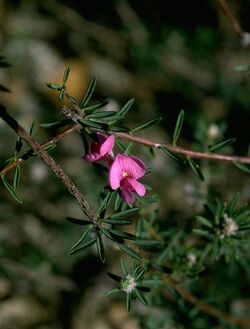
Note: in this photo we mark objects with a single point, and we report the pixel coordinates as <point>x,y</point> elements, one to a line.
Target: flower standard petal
<point>131,165</point>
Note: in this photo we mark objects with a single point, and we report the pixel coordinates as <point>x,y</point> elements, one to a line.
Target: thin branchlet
<point>50,162</point>
<point>136,139</point>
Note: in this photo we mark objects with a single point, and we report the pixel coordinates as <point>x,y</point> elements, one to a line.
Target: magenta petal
<point>127,195</point>
<point>108,145</point>
<point>138,187</point>
<point>92,157</point>
<point>115,174</point>
<point>133,166</point>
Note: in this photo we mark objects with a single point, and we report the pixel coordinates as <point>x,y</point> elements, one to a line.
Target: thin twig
<point>231,18</point>
<point>184,151</point>
<point>57,170</point>
<point>135,139</point>
<point>211,310</point>
<point>29,154</point>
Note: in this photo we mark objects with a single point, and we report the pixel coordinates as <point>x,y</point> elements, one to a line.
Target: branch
<point>29,154</point>
<point>57,170</point>
<point>245,36</point>
<point>231,18</point>
<point>135,139</point>
<point>211,310</point>
<point>186,152</point>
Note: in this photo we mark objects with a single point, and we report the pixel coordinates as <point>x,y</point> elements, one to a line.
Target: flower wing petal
<point>138,187</point>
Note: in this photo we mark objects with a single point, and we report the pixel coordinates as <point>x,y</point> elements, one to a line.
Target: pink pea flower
<point>100,149</point>
<point>124,174</point>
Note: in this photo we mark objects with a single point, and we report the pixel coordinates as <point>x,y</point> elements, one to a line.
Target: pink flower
<point>100,149</point>
<point>124,173</point>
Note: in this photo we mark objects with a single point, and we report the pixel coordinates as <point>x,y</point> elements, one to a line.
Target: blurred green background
<point>168,56</point>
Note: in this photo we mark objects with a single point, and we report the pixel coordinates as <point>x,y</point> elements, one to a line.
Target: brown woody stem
<point>231,18</point>
<point>188,296</point>
<point>50,162</point>
<point>135,139</point>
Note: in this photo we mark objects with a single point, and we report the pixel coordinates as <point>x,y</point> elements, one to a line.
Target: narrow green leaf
<point>110,120</point>
<point>101,114</point>
<point>140,297</point>
<point>178,127</point>
<point>146,125</point>
<point>128,148</point>
<point>82,238</point>
<point>32,128</point>
<point>61,95</point>
<point>78,221</point>
<point>153,282</point>
<point>121,146</point>
<point>11,190</point>
<point>139,272</point>
<point>124,110</point>
<point>112,292</point>
<point>49,124</point>
<point>85,245</point>
<point>143,289</point>
<point>90,109</point>
<point>121,234</point>
<point>233,203</point>
<point>16,178</point>
<point>105,202</point>
<point>66,74</point>
<point>136,269</point>
<point>72,99</point>
<point>54,86</point>
<point>172,155</point>
<point>128,302</point>
<point>125,213</point>
<point>116,221</point>
<point>112,237</point>
<point>124,266</point>
<point>119,129</point>
<point>91,124</point>
<point>242,166</point>
<point>49,147</point>
<point>100,248</point>
<point>18,147</point>
<point>114,277</point>
<point>201,232</point>
<point>118,202</point>
<point>89,93</point>
<point>221,144</point>
<point>195,167</point>
<point>130,252</point>
<point>204,221</point>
